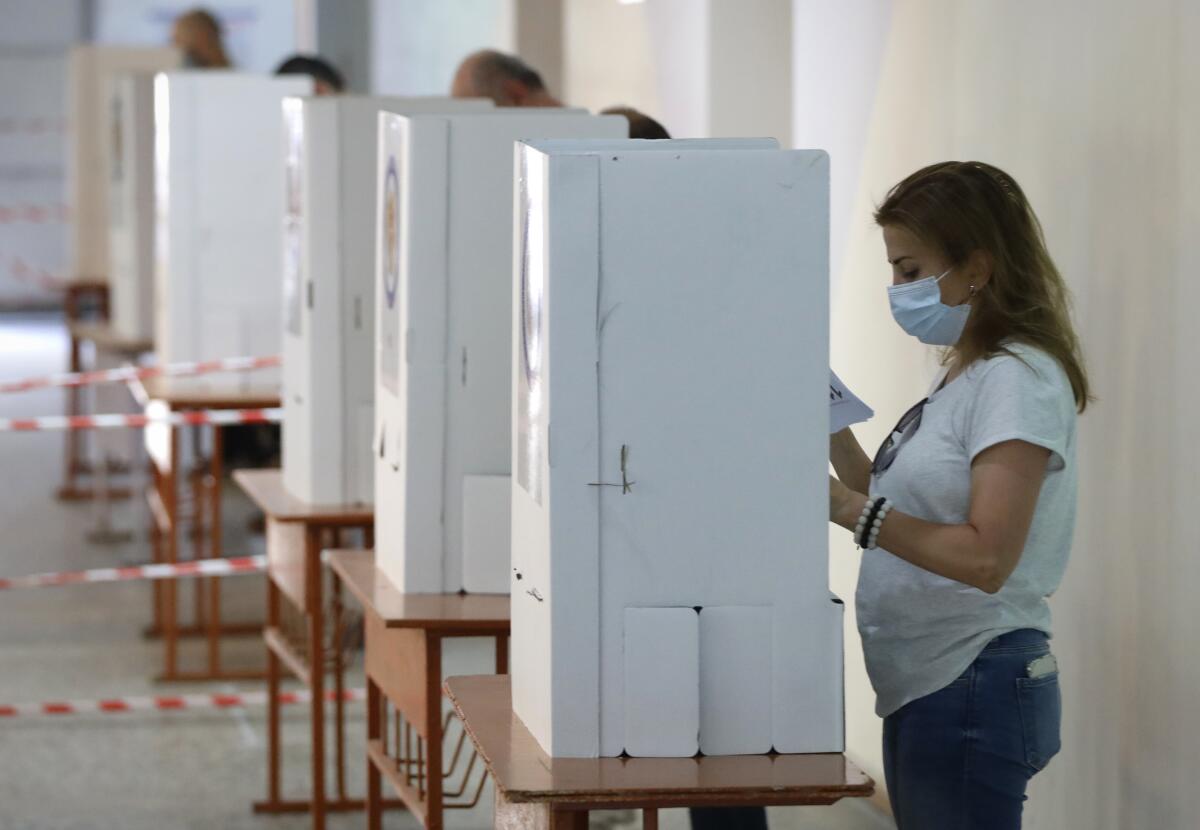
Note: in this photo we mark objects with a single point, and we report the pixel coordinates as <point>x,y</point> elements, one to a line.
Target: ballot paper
<point>845,408</point>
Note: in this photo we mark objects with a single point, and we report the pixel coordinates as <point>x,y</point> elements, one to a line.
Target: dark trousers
<point>729,818</point>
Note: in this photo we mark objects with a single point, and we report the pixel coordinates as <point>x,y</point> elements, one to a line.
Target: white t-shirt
<point>921,631</point>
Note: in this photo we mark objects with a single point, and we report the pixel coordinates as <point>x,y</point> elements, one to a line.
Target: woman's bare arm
<point>1005,483</point>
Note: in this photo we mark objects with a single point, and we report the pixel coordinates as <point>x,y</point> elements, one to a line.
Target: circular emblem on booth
<point>391,233</point>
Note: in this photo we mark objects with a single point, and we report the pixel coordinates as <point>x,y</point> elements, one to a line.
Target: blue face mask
<point>919,310</point>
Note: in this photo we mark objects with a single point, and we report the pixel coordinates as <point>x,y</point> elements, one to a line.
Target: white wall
<point>843,40</point>
<point>749,51</point>
<point>417,44</point>
<point>608,57</point>
<point>679,33</point>
<point>701,67</point>
<point>33,85</point>
<point>1094,106</point>
<point>258,33</point>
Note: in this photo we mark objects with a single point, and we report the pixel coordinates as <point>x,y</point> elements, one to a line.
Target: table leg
<point>568,819</point>
<point>74,437</point>
<point>650,818</point>
<point>273,615</point>
<point>156,553</point>
<point>216,471</point>
<point>170,502</point>
<point>543,814</point>
<point>374,777</point>
<point>339,686</point>
<point>316,652</point>
<point>502,654</point>
<point>433,717</point>
<point>198,485</point>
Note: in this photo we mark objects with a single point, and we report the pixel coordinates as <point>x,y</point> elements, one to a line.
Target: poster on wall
<point>530,385</point>
<point>389,319</point>
<point>293,214</point>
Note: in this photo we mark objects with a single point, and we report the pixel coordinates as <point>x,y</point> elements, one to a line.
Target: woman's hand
<point>850,462</point>
<point>845,505</point>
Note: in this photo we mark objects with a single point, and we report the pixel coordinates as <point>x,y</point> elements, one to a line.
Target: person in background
<point>327,80</point>
<point>640,124</point>
<point>197,34</point>
<point>506,79</point>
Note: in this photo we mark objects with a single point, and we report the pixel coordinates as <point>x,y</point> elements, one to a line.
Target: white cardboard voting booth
<point>91,70</point>
<point>219,189</point>
<point>670,588</point>
<point>443,392</point>
<point>329,244</point>
<point>130,128</point>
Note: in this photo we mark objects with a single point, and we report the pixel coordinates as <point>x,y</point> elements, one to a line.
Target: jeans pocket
<point>1040,702</point>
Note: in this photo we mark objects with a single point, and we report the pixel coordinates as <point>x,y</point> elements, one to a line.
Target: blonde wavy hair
<point>966,206</point>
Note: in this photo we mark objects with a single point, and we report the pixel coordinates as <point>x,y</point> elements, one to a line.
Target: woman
<point>965,514</point>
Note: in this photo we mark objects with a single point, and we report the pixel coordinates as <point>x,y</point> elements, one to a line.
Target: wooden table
<point>536,791</point>
<point>76,461</point>
<point>404,634</point>
<point>82,300</point>
<point>167,395</point>
<point>297,532</point>
<point>101,335</point>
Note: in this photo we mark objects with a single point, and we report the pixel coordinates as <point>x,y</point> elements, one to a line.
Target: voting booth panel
<point>444,391</point>
<point>670,489</point>
<point>219,196</point>
<point>91,72</point>
<point>329,243</point>
<point>130,128</point>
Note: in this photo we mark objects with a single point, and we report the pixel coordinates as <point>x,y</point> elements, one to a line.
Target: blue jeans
<point>960,758</point>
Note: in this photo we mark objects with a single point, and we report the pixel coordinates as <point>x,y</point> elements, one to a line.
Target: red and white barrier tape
<point>173,703</point>
<point>215,417</point>
<point>39,277</point>
<point>127,373</point>
<point>164,570</point>
<point>33,214</point>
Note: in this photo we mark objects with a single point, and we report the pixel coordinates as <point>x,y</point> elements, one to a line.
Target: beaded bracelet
<point>866,530</point>
<point>866,521</point>
<point>877,524</point>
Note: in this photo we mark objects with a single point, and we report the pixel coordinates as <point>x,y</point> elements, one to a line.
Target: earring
<point>972,291</point>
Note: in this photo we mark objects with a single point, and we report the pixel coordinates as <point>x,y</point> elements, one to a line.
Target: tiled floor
<point>187,770</point>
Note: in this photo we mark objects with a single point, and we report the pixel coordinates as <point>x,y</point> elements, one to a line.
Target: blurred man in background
<point>506,79</point>
<point>197,34</point>
<point>640,124</point>
<point>327,80</point>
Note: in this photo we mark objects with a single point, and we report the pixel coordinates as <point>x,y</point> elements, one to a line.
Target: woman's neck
<point>956,368</point>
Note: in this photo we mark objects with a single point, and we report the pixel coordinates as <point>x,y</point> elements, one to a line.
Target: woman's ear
<point>979,268</point>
